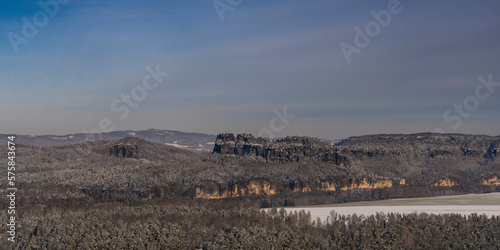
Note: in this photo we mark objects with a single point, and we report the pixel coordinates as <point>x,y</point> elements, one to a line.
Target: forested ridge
<point>133,193</point>
<point>133,170</point>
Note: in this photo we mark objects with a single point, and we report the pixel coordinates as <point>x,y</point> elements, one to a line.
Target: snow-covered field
<point>324,212</point>
<point>488,204</point>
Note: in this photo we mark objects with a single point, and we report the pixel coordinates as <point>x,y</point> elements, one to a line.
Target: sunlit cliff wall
<point>235,190</point>
<point>365,183</point>
<point>402,182</point>
<point>492,181</point>
<point>446,182</point>
<point>266,188</point>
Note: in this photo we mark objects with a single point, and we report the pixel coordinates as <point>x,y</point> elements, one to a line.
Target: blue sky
<point>228,75</point>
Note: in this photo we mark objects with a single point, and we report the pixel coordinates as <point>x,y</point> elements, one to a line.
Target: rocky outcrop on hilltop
<point>493,150</point>
<point>125,150</point>
<point>394,151</point>
<point>288,149</point>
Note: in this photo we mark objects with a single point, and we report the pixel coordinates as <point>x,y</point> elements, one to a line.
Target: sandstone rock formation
<point>423,145</point>
<point>445,182</point>
<point>125,150</point>
<point>493,180</point>
<point>424,157</point>
<point>493,150</point>
<point>288,149</point>
<point>267,188</point>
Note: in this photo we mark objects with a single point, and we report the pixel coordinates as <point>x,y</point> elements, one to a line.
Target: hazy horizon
<point>68,67</point>
<point>238,132</point>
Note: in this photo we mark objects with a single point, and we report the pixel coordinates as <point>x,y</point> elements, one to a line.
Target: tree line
<point>241,224</point>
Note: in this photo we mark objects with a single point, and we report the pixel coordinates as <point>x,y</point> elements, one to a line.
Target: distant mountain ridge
<point>198,142</point>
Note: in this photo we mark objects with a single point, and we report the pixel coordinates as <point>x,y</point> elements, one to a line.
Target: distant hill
<point>192,141</point>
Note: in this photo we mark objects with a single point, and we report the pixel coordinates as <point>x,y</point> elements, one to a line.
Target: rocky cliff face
<point>424,145</point>
<point>492,151</point>
<point>426,156</point>
<point>267,188</point>
<point>288,149</point>
<point>373,150</point>
<point>376,165</point>
<point>125,150</point>
<point>426,159</point>
<point>493,180</point>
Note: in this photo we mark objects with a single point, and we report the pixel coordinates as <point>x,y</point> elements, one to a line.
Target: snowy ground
<point>488,204</point>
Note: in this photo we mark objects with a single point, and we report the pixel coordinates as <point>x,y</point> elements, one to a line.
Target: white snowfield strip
<point>324,212</point>
<point>488,204</point>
